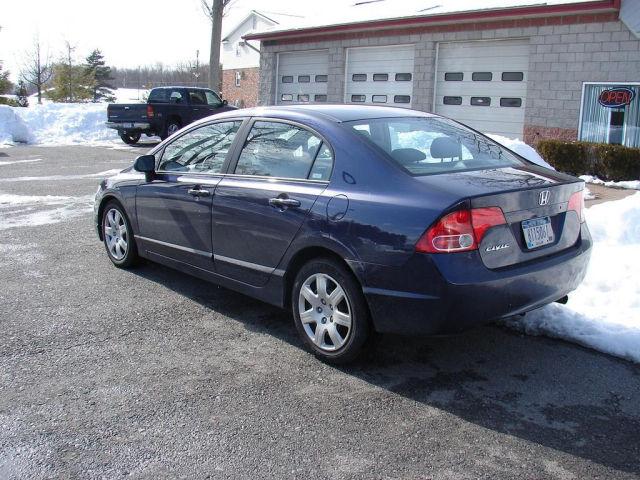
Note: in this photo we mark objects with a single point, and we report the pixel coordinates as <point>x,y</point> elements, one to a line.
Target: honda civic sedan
<point>358,219</point>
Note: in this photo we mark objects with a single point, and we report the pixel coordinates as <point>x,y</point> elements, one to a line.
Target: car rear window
<point>425,146</point>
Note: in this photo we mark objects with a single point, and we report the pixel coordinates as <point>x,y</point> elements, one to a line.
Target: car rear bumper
<point>456,292</point>
<point>128,125</point>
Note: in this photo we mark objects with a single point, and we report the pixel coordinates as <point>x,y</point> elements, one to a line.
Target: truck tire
<point>130,138</point>
<point>171,127</point>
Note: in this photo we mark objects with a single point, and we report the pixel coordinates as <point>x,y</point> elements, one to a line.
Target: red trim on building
<point>525,22</point>
<point>468,19</point>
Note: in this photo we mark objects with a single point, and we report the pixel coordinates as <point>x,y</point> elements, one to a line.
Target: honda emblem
<point>543,199</point>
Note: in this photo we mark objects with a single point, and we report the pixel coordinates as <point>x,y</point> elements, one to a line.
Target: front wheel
<point>130,138</point>
<point>118,236</point>
<point>329,311</point>
<point>170,128</point>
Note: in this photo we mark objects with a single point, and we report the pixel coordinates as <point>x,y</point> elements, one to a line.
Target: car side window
<point>202,150</point>
<point>275,149</point>
<point>175,96</point>
<point>212,99</point>
<point>323,164</point>
<point>197,97</point>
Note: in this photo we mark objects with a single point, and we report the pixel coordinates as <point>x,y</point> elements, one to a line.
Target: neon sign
<point>616,97</point>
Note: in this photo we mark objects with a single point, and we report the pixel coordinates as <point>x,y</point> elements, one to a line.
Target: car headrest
<point>445,147</point>
<point>364,133</point>
<point>405,156</point>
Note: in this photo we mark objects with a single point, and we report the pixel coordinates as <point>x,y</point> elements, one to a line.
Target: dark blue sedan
<point>359,219</point>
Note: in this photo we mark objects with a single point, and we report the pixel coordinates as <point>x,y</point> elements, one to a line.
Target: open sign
<point>616,97</point>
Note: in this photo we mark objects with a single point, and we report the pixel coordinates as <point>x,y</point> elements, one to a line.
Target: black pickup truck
<point>167,110</point>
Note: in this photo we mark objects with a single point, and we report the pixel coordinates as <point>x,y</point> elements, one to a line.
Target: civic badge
<point>543,199</point>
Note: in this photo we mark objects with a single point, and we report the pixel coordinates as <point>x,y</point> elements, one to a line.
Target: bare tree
<point>215,10</point>
<point>37,70</point>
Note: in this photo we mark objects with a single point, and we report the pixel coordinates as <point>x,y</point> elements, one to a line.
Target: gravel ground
<point>147,373</point>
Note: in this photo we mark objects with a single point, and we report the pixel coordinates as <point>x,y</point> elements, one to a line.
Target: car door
<point>174,209</point>
<point>259,207</point>
<point>199,106</point>
<point>214,103</point>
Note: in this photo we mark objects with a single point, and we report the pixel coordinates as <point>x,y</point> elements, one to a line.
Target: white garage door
<point>302,77</point>
<point>380,75</point>
<point>484,84</point>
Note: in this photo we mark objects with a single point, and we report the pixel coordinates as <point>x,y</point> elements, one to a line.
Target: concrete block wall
<point>564,53</point>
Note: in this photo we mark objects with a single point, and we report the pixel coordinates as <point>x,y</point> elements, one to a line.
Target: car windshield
<point>426,146</point>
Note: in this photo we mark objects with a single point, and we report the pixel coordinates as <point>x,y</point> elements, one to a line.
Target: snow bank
<point>522,149</point>
<point>12,128</point>
<point>67,123</point>
<point>604,312</point>
<point>626,184</point>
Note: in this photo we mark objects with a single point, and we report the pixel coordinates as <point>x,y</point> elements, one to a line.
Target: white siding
<point>496,57</point>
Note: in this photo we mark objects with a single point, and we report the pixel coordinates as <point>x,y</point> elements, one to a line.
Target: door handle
<point>284,202</point>
<point>196,192</point>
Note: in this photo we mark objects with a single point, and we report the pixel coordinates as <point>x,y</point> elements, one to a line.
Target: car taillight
<point>149,111</point>
<point>460,231</point>
<point>576,203</point>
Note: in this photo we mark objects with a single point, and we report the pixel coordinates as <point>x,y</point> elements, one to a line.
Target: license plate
<point>127,125</point>
<point>537,232</point>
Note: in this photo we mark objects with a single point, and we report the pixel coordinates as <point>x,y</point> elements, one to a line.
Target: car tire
<point>130,138</point>
<point>118,237</point>
<point>171,127</point>
<point>338,309</point>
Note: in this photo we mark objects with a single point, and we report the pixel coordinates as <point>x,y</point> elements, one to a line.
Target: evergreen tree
<point>99,76</point>
<point>21,93</point>
<point>5,83</point>
<point>70,84</point>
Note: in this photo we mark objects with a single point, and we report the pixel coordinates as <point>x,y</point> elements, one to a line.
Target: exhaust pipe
<point>563,300</point>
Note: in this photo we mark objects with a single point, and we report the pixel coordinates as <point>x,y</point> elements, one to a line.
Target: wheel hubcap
<point>325,312</point>
<point>173,128</point>
<point>115,234</point>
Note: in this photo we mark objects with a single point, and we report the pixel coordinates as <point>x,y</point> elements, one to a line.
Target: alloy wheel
<point>116,234</point>
<point>325,312</point>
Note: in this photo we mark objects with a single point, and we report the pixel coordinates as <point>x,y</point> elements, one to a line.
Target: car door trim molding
<point>173,245</point>
<point>242,263</point>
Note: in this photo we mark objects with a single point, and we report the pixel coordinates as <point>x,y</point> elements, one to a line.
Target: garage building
<point>564,69</point>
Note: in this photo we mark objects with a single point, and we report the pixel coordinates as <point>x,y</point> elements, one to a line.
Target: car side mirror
<point>147,165</point>
<point>224,102</point>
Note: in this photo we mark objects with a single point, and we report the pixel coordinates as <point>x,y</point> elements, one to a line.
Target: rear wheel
<point>118,236</point>
<point>170,128</point>
<point>130,138</point>
<point>329,310</point>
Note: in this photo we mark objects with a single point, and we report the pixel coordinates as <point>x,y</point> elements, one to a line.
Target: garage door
<point>380,75</point>
<point>302,77</point>
<point>484,84</point>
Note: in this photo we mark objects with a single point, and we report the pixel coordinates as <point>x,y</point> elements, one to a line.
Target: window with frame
<point>275,149</point>
<point>286,97</point>
<point>481,101</point>
<point>320,98</point>
<point>380,77</point>
<point>379,99</point>
<point>202,150</point>
<point>303,97</point>
<point>447,100</point>
<point>359,77</point>
<point>510,102</point>
<point>402,99</point>
<point>403,77</point>
<point>287,79</point>
<point>453,76</point>
<point>321,78</point>
<point>304,78</point>
<point>512,76</point>
<point>358,98</point>
<point>238,78</point>
<point>482,76</point>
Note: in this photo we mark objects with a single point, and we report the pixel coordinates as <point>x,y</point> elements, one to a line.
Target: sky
<point>128,32</point>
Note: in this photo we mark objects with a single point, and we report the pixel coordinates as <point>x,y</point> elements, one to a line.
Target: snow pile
<point>521,149</point>
<point>12,128</point>
<point>67,123</point>
<point>604,312</point>
<point>627,184</point>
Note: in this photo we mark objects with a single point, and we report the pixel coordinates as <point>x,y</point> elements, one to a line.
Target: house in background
<point>567,69</point>
<point>241,59</point>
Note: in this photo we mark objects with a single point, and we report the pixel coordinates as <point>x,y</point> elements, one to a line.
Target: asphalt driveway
<point>147,373</point>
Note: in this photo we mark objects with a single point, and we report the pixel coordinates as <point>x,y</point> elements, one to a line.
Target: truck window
<point>158,95</point>
<point>175,96</point>
<point>212,98</point>
<point>196,97</point>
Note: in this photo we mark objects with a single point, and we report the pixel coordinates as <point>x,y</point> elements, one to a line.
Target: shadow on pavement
<point>548,392</point>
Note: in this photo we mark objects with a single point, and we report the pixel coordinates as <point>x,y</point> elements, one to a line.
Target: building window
<point>286,97</point>
<point>238,78</point>
<point>402,99</point>
<point>510,102</point>
<point>453,77</point>
<point>303,97</point>
<point>611,114</point>
<point>481,76</point>
<point>358,98</point>
<point>320,98</point>
<point>321,79</point>
<point>304,78</point>
<point>512,76</point>
<point>359,77</point>
<point>452,100</point>
<point>481,101</point>
<point>403,77</point>
<point>380,77</point>
<point>379,99</point>
<point>287,79</point>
